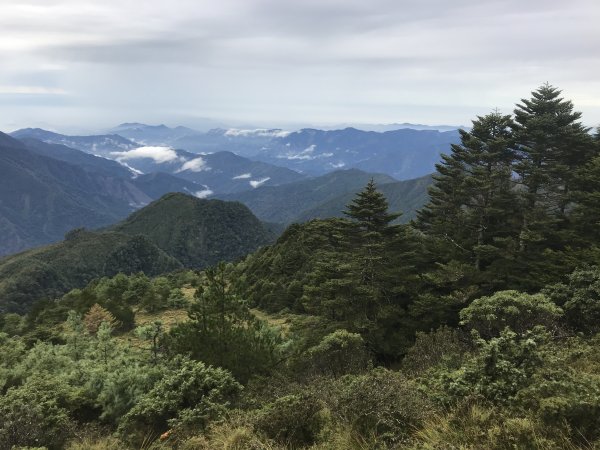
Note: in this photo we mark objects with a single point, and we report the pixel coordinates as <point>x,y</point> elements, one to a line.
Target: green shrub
<point>191,395</point>
<point>36,413</point>
<point>382,404</point>
<point>444,346</point>
<point>580,299</point>
<point>338,353</point>
<point>501,367</point>
<point>517,310</point>
<point>293,420</point>
<point>566,400</point>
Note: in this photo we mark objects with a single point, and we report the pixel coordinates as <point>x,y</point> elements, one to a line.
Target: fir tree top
<point>370,209</point>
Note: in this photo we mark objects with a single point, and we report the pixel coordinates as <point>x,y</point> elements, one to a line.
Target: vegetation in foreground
<point>476,326</point>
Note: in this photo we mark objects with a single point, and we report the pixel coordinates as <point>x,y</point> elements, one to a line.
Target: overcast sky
<point>86,64</point>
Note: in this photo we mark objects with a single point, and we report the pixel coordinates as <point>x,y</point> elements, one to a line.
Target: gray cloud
<point>258,61</point>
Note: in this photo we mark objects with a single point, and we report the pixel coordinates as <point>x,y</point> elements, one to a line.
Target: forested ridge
<point>474,326</point>
<point>175,231</point>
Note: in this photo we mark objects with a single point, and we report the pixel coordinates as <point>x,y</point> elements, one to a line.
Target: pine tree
<point>222,330</point>
<point>470,216</point>
<point>364,281</point>
<point>369,209</point>
<point>551,145</point>
<point>586,212</point>
<point>96,316</point>
<point>371,231</point>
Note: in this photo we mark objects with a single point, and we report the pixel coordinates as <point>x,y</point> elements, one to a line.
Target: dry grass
<point>101,443</point>
<point>189,292</point>
<point>168,317</point>
<point>278,321</point>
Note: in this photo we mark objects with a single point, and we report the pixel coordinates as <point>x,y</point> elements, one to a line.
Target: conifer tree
<point>470,216</point>
<point>222,330</point>
<point>97,315</point>
<point>369,209</point>
<point>586,212</point>
<point>371,233</point>
<point>364,281</point>
<point>551,145</point>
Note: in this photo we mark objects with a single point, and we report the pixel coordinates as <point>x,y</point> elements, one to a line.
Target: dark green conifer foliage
<point>551,145</point>
<point>586,212</point>
<point>470,218</point>
<point>223,332</point>
<point>370,209</point>
<point>365,280</point>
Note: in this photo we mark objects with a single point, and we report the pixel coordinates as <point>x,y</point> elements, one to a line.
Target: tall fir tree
<point>586,212</point>
<point>366,281</point>
<point>551,144</point>
<point>552,147</point>
<point>469,219</point>
<point>370,233</point>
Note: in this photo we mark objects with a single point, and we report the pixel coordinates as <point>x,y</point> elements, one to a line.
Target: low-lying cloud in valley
<point>194,165</point>
<point>257,183</point>
<point>160,155</point>
<point>206,192</point>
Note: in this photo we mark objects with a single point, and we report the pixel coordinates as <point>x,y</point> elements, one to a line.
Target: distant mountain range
<point>41,198</point>
<point>218,172</point>
<point>394,126</point>
<point>152,134</point>
<point>328,195</point>
<point>96,145</point>
<point>52,183</point>
<point>175,231</point>
<point>402,152</point>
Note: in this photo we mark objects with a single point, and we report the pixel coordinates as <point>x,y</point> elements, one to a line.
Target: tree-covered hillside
<point>48,272</point>
<point>407,196</point>
<point>474,326</point>
<point>176,231</point>
<point>198,232</point>
<point>284,204</point>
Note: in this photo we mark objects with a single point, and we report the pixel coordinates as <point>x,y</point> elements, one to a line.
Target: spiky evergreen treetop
<point>550,143</point>
<point>370,209</point>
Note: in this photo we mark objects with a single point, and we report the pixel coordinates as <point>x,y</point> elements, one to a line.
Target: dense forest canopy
<point>473,326</point>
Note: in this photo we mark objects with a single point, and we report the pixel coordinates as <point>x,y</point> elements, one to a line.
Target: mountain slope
<point>79,158</point>
<point>157,184</point>
<point>176,231</point>
<point>406,196</point>
<point>198,232</point>
<point>48,272</point>
<point>97,145</point>
<point>42,198</point>
<point>154,185</point>
<point>220,172</point>
<point>403,154</point>
<point>283,204</point>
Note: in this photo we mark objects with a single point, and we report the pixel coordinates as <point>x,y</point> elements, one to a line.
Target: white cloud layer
<point>204,193</point>
<point>257,183</point>
<point>85,63</point>
<point>243,176</point>
<point>158,154</point>
<point>257,133</point>
<point>194,165</point>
